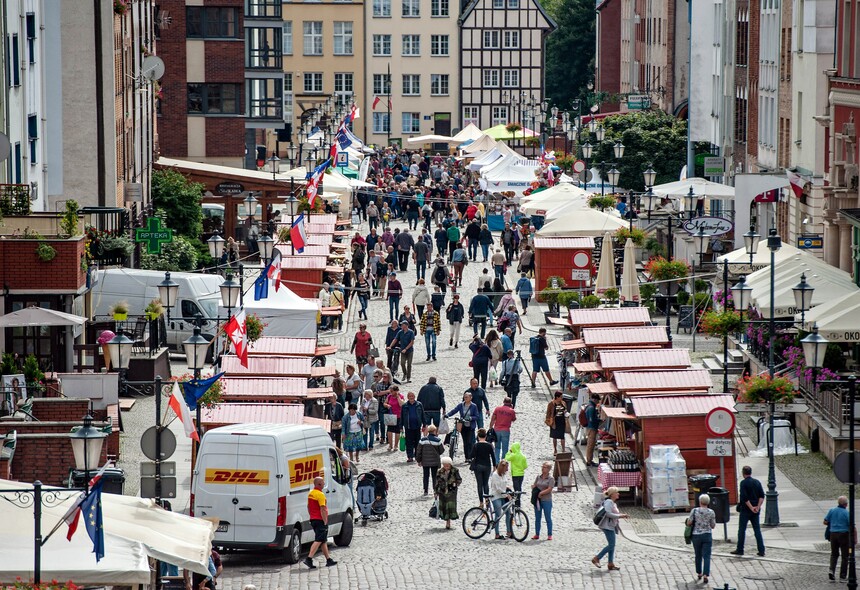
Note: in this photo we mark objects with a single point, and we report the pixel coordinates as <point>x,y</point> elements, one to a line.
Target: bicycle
<point>455,438</point>
<point>477,520</point>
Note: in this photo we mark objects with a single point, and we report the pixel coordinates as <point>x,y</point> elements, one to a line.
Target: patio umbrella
<point>606,270</point>
<point>629,281</point>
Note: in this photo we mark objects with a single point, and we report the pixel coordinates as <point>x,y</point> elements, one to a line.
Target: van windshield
<point>210,306</point>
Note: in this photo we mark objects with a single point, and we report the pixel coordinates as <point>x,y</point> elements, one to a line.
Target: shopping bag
<point>402,442</point>
<point>444,428</point>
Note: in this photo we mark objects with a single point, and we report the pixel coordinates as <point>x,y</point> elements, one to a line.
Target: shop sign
<point>711,226</point>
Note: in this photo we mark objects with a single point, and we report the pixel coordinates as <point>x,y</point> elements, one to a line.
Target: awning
<point>657,358</point>
<point>284,346</point>
<point>572,344</point>
<point>587,222</point>
<point>609,316</point>
<point>602,387</point>
<point>838,320</point>
<point>628,336</point>
<point>588,367</point>
<point>740,260</point>
<point>662,380</point>
<point>681,405</point>
<point>39,316</point>
<point>429,139</point>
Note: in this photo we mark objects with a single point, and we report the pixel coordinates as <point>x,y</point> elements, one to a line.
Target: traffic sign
<point>713,166</point>
<point>147,443</point>
<point>168,487</point>
<point>720,422</point>
<point>342,159</point>
<point>578,166</point>
<point>779,408</point>
<point>580,275</point>
<point>719,447</point>
<point>842,467</point>
<point>147,468</point>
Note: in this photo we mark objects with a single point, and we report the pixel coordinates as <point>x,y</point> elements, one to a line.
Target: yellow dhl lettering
<point>237,477</point>
<point>304,470</point>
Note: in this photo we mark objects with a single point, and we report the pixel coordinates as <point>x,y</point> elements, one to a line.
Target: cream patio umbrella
<point>629,281</point>
<point>606,270</point>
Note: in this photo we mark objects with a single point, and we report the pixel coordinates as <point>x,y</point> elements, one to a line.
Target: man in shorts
<point>318,512</point>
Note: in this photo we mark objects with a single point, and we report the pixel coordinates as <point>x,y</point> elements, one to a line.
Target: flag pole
<point>389,104</point>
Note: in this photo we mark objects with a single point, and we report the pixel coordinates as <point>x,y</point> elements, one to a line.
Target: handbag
<point>389,420</point>
<point>402,443</point>
<point>373,351</point>
<point>600,515</point>
<point>688,527</point>
<point>434,510</point>
<point>491,435</point>
<point>549,421</point>
<point>336,425</point>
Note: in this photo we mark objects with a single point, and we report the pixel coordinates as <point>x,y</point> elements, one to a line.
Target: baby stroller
<point>371,493</point>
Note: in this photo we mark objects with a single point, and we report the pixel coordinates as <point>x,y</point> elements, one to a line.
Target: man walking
<point>838,522</point>
<point>395,292</point>
<point>509,375</point>
<point>501,420</point>
<point>318,512</point>
<point>404,242</point>
<point>751,500</point>
<point>421,255</point>
<point>431,327</point>
<point>432,399</point>
<point>406,342</point>
<point>537,348</point>
<point>479,308</point>
<point>412,414</point>
<point>592,417</point>
<point>479,398</point>
<point>455,314</point>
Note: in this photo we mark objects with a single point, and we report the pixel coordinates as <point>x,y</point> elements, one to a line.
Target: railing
<point>263,9</point>
<point>15,199</point>
<point>830,399</point>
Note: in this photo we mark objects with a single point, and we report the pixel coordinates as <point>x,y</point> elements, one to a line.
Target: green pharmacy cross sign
<point>153,235</point>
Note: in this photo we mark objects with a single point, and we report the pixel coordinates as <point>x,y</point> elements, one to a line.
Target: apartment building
<point>412,56</point>
<point>607,56</point>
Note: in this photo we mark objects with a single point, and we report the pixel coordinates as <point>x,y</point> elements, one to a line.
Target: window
<point>381,84</point>
<point>381,123</point>
<point>498,3</point>
<point>343,37</point>
<point>438,84</point>
<point>513,3</point>
<point>288,37</point>
<point>17,163</point>
<point>411,122</point>
<point>382,8</point>
<point>265,98</point>
<point>313,37</point>
<point>439,8</point>
<point>33,136</point>
<point>343,88</point>
<point>214,99</point>
<point>411,8</point>
<point>470,115</point>
<point>491,78</point>
<point>511,78</point>
<point>211,22</point>
<point>439,45</point>
<point>500,116</point>
<point>512,40</point>
<point>411,45</point>
<point>31,38</point>
<point>313,82</point>
<point>411,84</point>
<point>339,475</point>
<point>491,39</point>
<point>381,45</point>
<point>288,96</point>
<point>15,66</point>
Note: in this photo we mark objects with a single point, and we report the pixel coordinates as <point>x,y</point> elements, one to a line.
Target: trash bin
<point>568,401</point>
<point>720,504</point>
<point>113,478</point>
<point>700,484</point>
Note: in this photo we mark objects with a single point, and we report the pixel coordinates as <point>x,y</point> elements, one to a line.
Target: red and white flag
<point>376,101</point>
<point>73,515</point>
<point>274,272</point>
<point>298,237</point>
<point>180,408</point>
<point>796,183</point>
<point>236,332</point>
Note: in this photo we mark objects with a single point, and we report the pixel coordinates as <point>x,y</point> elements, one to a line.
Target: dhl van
<point>255,479</point>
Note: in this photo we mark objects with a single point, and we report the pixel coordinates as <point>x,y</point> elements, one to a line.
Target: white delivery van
<point>255,479</point>
<point>198,293</point>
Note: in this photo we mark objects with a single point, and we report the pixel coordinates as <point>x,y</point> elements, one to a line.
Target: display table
<point>619,479</point>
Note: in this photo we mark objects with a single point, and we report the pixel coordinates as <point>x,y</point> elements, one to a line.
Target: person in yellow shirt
<point>318,512</point>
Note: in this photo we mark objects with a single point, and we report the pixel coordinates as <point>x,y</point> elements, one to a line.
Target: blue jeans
<point>702,546</point>
<point>500,272</point>
<point>432,416</point>
<point>545,507</point>
<point>420,269</point>
<point>503,439</point>
<point>610,545</point>
<point>362,300</point>
<point>473,248</point>
<point>430,342</point>
<point>393,307</point>
<point>372,433</point>
<point>485,250</point>
<point>746,516</point>
<point>497,509</point>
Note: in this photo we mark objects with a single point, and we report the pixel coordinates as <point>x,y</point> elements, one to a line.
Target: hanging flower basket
<point>722,323</point>
<point>763,388</point>
<point>513,127</point>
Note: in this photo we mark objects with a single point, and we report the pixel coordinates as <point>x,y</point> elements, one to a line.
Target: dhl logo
<point>304,470</point>
<point>237,477</point>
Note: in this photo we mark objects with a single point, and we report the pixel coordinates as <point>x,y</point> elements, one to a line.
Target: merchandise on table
<point>666,471</point>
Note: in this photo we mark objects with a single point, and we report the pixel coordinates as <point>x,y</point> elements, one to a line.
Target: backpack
<point>583,419</point>
<point>439,274</point>
<point>534,345</point>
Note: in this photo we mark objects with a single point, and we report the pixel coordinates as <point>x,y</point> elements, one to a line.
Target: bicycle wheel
<point>452,448</point>
<point>476,522</point>
<point>519,525</point>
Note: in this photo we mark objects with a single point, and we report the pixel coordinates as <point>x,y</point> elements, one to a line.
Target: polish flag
<point>180,408</point>
<point>236,332</point>
<point>73,515</point>
<point>376,101</point>
<point>796,183</point>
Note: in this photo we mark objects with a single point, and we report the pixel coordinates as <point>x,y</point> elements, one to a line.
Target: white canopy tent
<point>38,317</point>
<point>514,174</point>
<point>679,193</point>
<point>552,198</point>
<point>422,139</point>
<point>838,319</point>
<point>483,144</point>
<point>485,159</point>
<point>287,314</point>
<point>469,133</point>
<point>740,260</point>
<point>586,222</point>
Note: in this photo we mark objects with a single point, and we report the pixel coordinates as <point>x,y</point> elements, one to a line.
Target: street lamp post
<point>291,205</point>
<point>771,513</point>
<point>120,349</point>
<point>196,348</point>
<point>273,163</point>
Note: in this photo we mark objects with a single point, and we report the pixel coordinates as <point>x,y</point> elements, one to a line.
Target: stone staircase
<point>715,365</point>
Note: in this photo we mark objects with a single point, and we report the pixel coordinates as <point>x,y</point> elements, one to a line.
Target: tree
<point>570,51</point>
<point>179,198</point>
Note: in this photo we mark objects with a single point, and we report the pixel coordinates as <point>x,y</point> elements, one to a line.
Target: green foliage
<point>611,295</point>
<point>702,301</point>
<point>31,370</point>
<point>590,301</point>
<point>8,366</point>
<point>178,255</point>
<point>721,323</point>
<point>566,298</point>
<point>661,269</point>
<point>683,297</point>
<point>647,291</point>
<point>45,252</point>
<point>637,235</point>
<point>179,198</point>
<point>118,243</point>
<point>652,244</point>
<point>69,220</point>
<point>570,51</point>
<point>833,358</point>
<point>700,285</point>
<point>600,203</point>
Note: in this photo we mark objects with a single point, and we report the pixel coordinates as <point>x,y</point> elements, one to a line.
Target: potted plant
<point>764,388</point>
<point>682,297</point>
<point>637,235</point>
<point>567,299</point>
<point>601,203</point>
<point>154,309</point>
<point>45,252</point>
<point>721,323</point>
<point>69,220</point>
<point>119,311</point>
<point>590,301</point>
<point>253,327</point>
<point>116,246</point>
<point>105,337</point>
<point>33,374</point>
<point>611,295</point>
<point>513,127</point>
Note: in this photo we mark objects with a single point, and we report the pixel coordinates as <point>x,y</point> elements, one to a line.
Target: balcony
<point>263,9</point>
<point>266,99</point>
<point>264,49</point>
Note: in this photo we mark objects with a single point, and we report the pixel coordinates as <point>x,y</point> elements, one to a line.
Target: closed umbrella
<point>606,270</point>
<point>629,281</point>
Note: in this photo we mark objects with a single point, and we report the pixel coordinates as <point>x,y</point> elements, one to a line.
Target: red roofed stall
<point>226,414</point>
<point>563,257</point>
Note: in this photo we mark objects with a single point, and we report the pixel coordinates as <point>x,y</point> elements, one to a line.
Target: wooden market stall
<point>640,382</point>
<point>303,275</point>
<point>656,359</point>
<point>595,339</point>
<point>607,317</point>
<point>274,366</point>
<point>271,389</point>
<point>568,258</point>
<point>246,413</point>
<point>278,346</point>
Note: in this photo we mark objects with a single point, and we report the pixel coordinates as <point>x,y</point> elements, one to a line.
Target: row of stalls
<point>650,397</point>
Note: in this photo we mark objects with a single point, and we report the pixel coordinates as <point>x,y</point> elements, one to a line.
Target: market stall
<point>568,258</point>
<point>655,359</point>
<point>686,380</point>
<point>607,317</point>
<point>274,366</point>
<point>595,339</point>
<point>270,389</point>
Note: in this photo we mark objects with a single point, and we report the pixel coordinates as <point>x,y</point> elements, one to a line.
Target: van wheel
<point>344,538</point>
<point>293,550</point>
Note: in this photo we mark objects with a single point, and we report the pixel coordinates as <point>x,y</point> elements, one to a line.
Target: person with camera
<point>509,375</point>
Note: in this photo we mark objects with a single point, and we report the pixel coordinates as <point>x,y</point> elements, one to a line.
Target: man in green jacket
<point>453,239</point>
<point>518,464</point>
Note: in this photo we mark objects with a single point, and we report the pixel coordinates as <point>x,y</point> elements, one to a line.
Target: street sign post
<point>342,159</point>
<point>842,468</point>
<point>763,407</point>
<point>638,102</point>
<point>147,443</point>
<point>719,447</point>
<point>720,422</point>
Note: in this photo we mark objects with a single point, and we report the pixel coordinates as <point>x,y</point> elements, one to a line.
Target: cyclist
<point>500,492</point>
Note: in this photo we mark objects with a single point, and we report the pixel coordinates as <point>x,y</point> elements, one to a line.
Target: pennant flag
<point>273,271</point>
<point>390,104</point>
<point>683,175</point>
<point>236,332</point>
<point>195,388</point>
<point>376,101</point>
<point>355,113</point>
<point>767,196</point>
<point>180,408</point>
<point>314,179</point>
<point>73,515</point>
<point>297,234</point>
<point>261,286</point>
<point>796,183</point>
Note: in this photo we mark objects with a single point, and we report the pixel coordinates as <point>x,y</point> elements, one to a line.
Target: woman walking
<point>481,355</point>
<point>353,432</point>
<point>497,350</point>
<point>468,414</point>
<point>428,455</point>
<point>420,297</point>
<point>500,492</point>
<point>518,464</point>
<point>394,405</point>
<point>362,291</point>
<point>483,463</point>
<point>370,409</point>
<point>448,480</point>
<point>543,506</point>
<point>609,526</point>
<point>556,418</point>
<point>703,520</point>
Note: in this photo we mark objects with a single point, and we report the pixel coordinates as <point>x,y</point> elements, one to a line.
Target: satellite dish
<point>152,67</point>
<point>5,147</point>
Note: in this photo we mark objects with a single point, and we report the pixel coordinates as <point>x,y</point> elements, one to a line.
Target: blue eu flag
<point>91,509</point>
<point>195,388</point>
